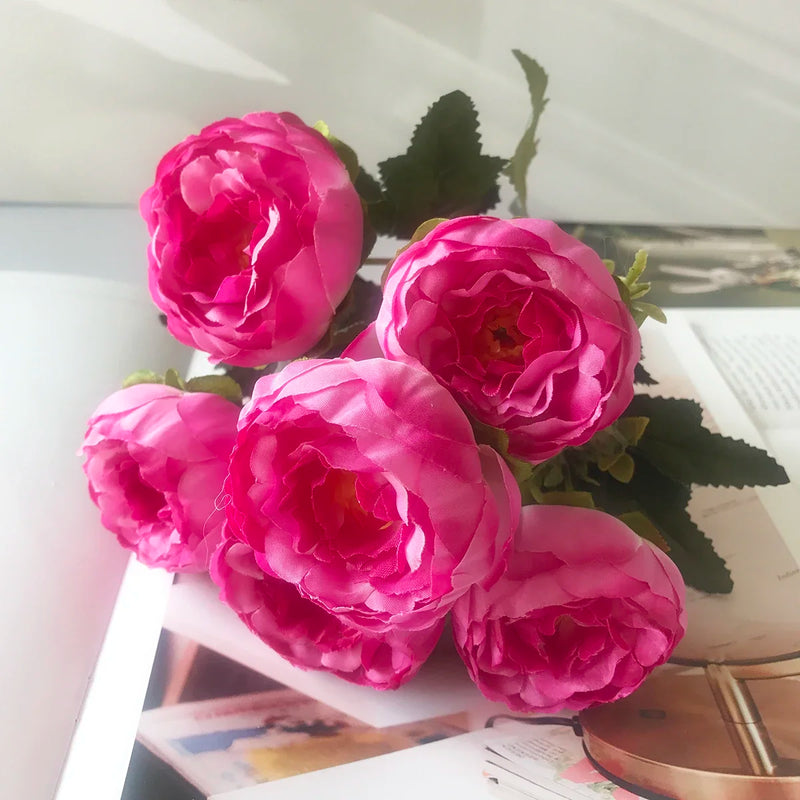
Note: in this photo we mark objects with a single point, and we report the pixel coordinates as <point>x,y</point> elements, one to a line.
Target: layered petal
<point>156,460</point>
<point>585,610</point>
<point>522,322</point>
<point>308,635</point>
<point>256,234</point>
<point>361,483</point>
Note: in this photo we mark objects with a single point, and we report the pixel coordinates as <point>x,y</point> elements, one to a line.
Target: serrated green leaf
<point>518,166</point>
<point>636,269</point>
<point>368,188</point>
<point>677,444</point>
<point>223,385</point>
<point>630,290</point>
<point>642,376</point>
<point>664,501</point>
<point>442,174</point>
<point>141,376</point>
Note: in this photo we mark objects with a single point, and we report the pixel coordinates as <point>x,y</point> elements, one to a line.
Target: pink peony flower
<point>307,635</point>
<point>361,483</point>
<point>522,322</point>
<point>256,238</point>
<point>585,611</point>
<point>156,460</point>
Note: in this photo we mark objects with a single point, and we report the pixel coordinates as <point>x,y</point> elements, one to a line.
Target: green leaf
<point>631,289</point>
<point>170,378</point>
<point>641,311</point>
<point>223,385</point>
<point>622,288</point>
<point>677,444</point>
<point>636,270</point>
<point>141,376</point>
<point>173,378</point>
<point>358,309</point>
<point>632,428</point>
<point>640,524</point>
<point>554,476</point>
<point>642,376</point>
<point>664,502</point>
<point>518,166</point>
<point>442,174</point>
<point>622,468</point>
<point>496,438</point>
<point>247,377</point>
<point>577,499</point>
<point>368,188</point>
<point>423,230</point>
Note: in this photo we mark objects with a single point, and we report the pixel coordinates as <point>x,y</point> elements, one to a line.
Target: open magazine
<point>232,742</point>
<point>754,633</point>
<point>721,355</point>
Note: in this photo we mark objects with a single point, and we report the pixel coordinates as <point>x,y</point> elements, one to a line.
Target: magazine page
<point>70,341</point>
<point>718,267</point>
<point>758,355</point>
<point>229,743</point>
<point>754,530</point>
<point>212,725</point>
<point>758,624</point>
<point>511,761</point>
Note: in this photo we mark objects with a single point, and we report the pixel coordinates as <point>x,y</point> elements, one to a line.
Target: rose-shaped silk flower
<point>256,238</point>
<point>585,610</point>
<point>307,635</point>
<point>361,483</point>
<point>522,322</point>
<point>156,460</point>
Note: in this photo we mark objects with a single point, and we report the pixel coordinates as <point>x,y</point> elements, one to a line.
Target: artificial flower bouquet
<point>464,441</point>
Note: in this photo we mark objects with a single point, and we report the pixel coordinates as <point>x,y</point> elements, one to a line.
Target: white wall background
<point>662,110</point>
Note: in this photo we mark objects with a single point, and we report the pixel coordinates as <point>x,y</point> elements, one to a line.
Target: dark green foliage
<point>677,445</point>
<point>442,173</point>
